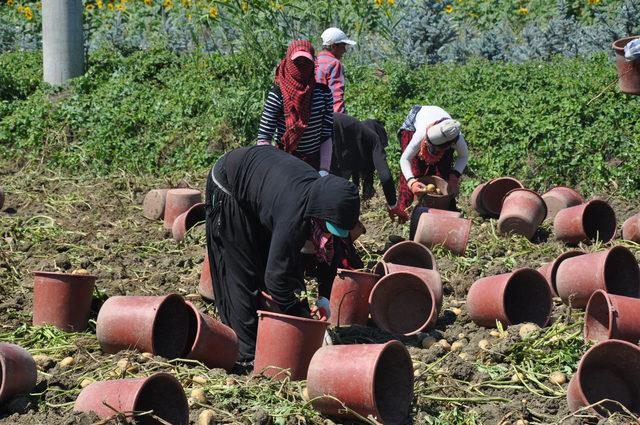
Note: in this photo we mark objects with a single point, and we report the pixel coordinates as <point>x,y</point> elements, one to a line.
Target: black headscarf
<point>334,199</point>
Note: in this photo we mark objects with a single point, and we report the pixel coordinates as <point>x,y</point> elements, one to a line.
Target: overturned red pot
<point>210,341</point>
<point>559,198</point>
<point>628,72</point>
<point>177,202</point>
<point>631,229</point>
<point>378,384</point>
<point>285,344</point>
<point>159,393</point>
<point>18,372</point>
<point>523,210</point>
<point>62,299</point>
<point>510,298</point>
<point>402,303</point>
<point>158,325</point>
<point>612,317</point>
<point>349,301</point>
<point>430,277</point>
<point>153,204</point>
<point>550,269</point>
<point>609,370</point>
<point>476,201</point>
<point>410,253</point>
<point>205,285</point>
<point>489,197</point>
<point>449,232</point>
<point>614,271</point>
<point>586,223</point>
<point>187,220</point>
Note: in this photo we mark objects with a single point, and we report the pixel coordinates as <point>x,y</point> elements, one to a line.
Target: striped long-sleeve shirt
<point>320,128</point>
<point>331,72</point>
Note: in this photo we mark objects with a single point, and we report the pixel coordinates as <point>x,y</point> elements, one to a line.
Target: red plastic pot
<point>490,196</point>
<point>179,201</point>
<point>430,277</point>
<point>609,370</point>
<point>476,201</point>
<point>434,200</point>
<point>585,223</point>
<point>510,298</point>
<point>523,210</point>
<point>410,253</point>
<point>205,286</point>
<point>550,269</point>
<point>286,343</point>
<point>614,271</point>
<point>612,317</point>
<point>187,220</point>
<point>158,325</point>
<point>18,372</point>
<point>153,204</point>
<point>450,232</point>
<point>160,393</point>
<point>62,299</point>
<point>628,72</point>
<point>349,301</point>
<point>559,198</point>
<point>370,379</point>
<point>631,229</point>
<point>402,303</point>
<point>210,341</point>
<point>456,214</point>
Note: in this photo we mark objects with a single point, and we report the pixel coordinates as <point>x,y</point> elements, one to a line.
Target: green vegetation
<point>156,111</point>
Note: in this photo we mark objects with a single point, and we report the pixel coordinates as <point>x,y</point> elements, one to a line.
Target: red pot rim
<point>355,272</point>
<point>417,245</point>
<point>511,279</point>
<point>556,263</point>
<point>619,44</point>
<point>617,250</point>
<point>66,275</point>
<point>434,309</point>
<point>488,185</point>
<point>523,189</point>
<point>395,343</point>
<point>198,326</point>
<point>287,317</point>
<point>611,310</point>
<point>156,317</point>
<point>604,204</point>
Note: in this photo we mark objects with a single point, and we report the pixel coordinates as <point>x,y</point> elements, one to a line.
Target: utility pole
<point>62,41</point>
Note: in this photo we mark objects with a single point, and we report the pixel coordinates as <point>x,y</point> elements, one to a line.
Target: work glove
<point>418,188</point>
<point>454,185</point>
<point>324,310</point>
<point>398,212</point>
<point>323,173</point>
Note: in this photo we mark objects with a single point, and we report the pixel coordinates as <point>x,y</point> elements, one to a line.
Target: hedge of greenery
<point>157,111</point>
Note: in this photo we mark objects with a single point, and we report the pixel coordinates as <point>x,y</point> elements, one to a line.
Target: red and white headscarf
<point>296,81</point>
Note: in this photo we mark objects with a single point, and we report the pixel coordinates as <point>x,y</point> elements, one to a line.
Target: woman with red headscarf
<point>298,112</point>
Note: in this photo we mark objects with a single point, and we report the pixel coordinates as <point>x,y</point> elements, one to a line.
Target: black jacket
<point>284,193</point>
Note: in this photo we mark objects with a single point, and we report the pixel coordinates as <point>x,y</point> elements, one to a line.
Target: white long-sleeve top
<point>426,116</point>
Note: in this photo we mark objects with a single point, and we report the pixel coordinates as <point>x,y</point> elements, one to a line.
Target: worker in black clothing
<point>262,205</point>
<point>358,150</point>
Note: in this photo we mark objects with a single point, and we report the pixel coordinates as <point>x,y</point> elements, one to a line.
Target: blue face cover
<point>336,231</point>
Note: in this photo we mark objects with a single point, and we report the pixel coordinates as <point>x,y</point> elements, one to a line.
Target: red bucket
<point>349,301</point>
<point>612,317</point>
<point>559,198</point>
<point>586,223</point>
<point>523,210</point>
<point>631,229</point>
<point>628,72</point>
<point>449,232</point>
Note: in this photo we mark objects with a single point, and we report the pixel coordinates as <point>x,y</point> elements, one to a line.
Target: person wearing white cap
<point>330,70</point>
<point>429,137</point>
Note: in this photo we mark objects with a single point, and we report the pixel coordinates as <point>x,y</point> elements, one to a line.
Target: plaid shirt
<point>331,72</point>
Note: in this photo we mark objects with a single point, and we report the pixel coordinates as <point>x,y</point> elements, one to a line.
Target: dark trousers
<point>238,248</point>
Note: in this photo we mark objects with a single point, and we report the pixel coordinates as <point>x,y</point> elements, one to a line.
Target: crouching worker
<point>261,206</point>
<point>429,137</point>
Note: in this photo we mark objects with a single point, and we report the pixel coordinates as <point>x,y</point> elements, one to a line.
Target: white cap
<point>334,36</point>
<point>443,132</point>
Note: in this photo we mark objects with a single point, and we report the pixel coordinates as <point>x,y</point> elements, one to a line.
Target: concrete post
<point>62,40</point>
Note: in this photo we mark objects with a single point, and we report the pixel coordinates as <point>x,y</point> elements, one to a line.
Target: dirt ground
<point>57,223</point>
